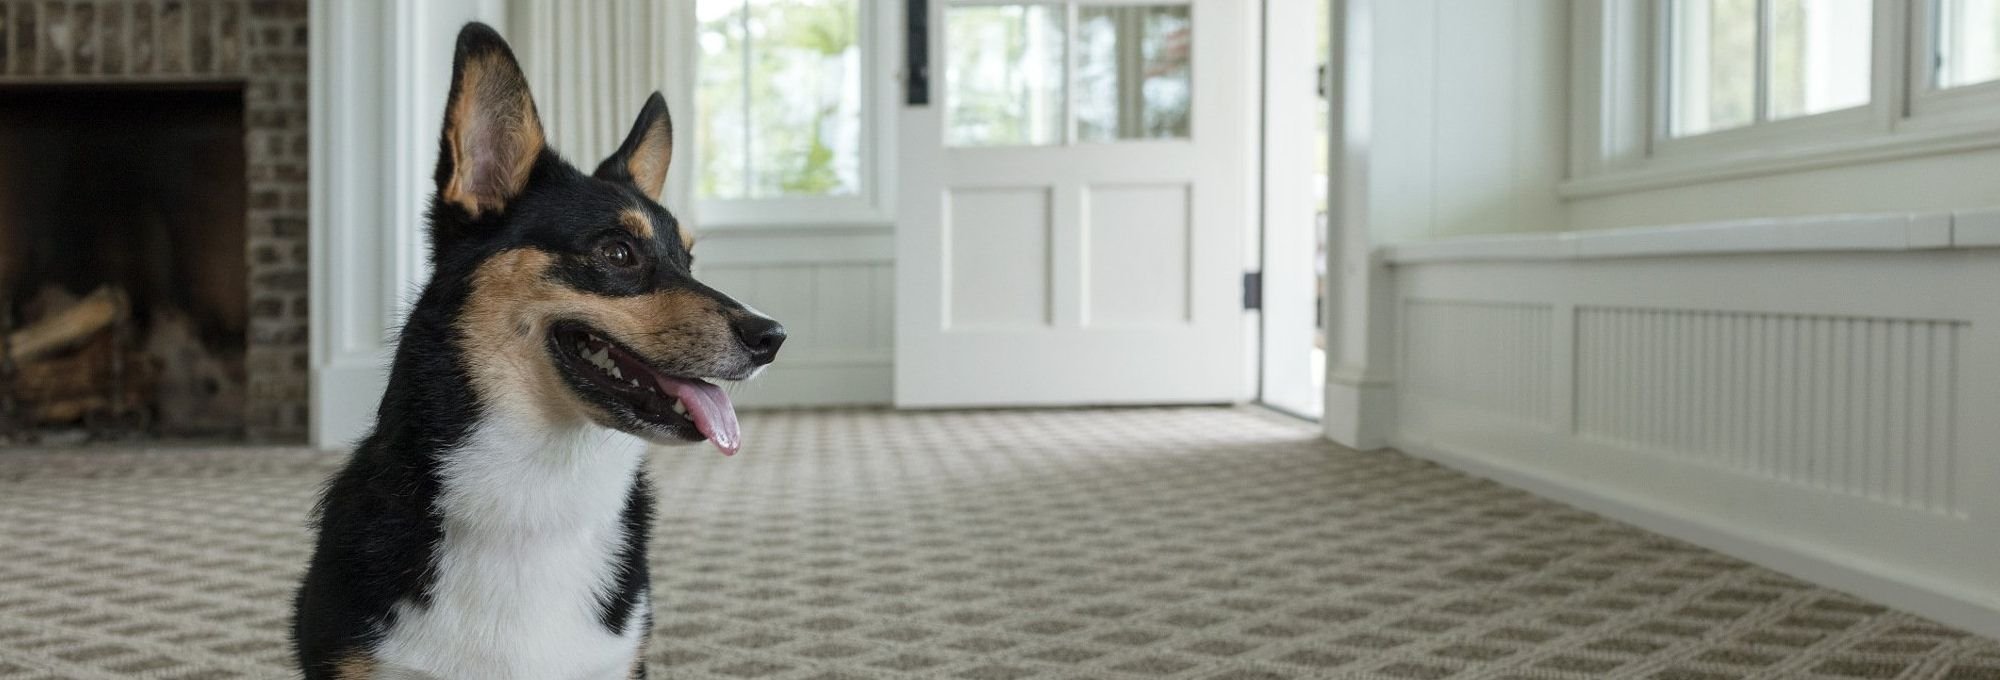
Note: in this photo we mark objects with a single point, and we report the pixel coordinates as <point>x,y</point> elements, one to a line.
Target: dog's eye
<point>617,253</point>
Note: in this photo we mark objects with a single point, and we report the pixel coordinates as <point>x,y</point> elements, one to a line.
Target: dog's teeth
<point>680,408</point>
<point>616,373</point>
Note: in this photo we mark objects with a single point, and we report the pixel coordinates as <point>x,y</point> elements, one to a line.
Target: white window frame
<point>873,204</point>
<point>1620,139</point>
<point>1959,105</point>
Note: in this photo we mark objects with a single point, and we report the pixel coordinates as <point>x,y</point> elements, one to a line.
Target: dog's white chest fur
<point>532,532</point>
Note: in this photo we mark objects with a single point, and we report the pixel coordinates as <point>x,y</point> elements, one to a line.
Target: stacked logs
<point>73,362</point>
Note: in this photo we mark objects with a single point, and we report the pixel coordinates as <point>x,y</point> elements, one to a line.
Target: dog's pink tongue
<point>708,406</point>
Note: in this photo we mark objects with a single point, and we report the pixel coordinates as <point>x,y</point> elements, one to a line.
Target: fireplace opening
<point>123,271</point>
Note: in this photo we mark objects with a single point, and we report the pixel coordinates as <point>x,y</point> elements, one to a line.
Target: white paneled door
<point>1075,196</point>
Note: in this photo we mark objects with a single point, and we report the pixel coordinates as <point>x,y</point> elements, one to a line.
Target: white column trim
<point>1360,394</point>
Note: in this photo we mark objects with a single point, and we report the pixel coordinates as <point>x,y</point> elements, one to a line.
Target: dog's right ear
<point>492,135</point>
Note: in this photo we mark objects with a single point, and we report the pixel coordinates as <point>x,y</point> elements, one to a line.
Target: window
<point>1968,43</point>
<point>1738,63</point>
<point>782,110</point>
<point>1036,74</point>
<point>1686,91</point>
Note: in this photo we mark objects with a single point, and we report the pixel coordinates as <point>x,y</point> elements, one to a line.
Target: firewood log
<point>95,312</point>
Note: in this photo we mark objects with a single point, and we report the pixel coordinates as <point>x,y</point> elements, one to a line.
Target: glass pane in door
<point>1132,72</point>
<point>1004,75</point>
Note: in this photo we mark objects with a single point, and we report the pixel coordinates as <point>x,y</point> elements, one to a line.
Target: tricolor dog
<point>493,525</point>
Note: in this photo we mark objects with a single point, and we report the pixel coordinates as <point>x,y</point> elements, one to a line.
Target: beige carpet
<point>1161,543</point>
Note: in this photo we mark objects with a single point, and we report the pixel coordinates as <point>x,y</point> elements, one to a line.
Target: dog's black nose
<point>761,336</point>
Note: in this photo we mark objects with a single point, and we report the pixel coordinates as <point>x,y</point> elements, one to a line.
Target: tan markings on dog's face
<point>687,235</point>
<point>495,135</point>
<point>355,667</point>
<point>514,303</point>
<point>637,222</point>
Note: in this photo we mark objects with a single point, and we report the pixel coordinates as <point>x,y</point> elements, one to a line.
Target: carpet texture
<point>1222,544</point>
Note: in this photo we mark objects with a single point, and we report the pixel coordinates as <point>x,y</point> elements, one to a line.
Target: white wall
<point>1471,124</point>
<point>833,289</point>
<point>1449,119</point>
<point>1469,117</point>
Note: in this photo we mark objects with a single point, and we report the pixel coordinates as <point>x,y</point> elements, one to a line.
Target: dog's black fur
<point>378,522</point>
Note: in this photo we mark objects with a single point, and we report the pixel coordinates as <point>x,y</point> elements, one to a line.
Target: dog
<point>493,525</point>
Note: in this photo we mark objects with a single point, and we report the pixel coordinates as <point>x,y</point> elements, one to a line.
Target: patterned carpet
<point>1213,544</point>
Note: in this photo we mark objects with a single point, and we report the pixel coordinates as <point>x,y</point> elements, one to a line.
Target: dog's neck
<point>519,471</point>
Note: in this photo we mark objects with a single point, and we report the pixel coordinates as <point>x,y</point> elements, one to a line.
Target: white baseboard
<point>1359,415</point>
<point>345,397</point>
<point>1879,582</point>
<point>860,383</point>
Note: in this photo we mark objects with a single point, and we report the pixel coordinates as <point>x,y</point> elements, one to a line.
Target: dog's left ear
<point>643,158</point>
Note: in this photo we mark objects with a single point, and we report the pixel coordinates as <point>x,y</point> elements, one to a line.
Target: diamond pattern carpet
<point>1213,544</point>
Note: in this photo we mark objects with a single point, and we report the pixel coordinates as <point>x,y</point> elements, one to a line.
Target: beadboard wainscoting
<point>833,288</point>
<point>1818,395</point>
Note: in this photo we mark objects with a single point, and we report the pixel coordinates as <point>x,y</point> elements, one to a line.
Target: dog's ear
<point>492,135</point>
<point>643,158</point>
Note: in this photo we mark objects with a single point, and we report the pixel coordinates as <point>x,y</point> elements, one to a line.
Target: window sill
<point>1878,232</point>
<point>792,214</point>
<point>1662,173</point>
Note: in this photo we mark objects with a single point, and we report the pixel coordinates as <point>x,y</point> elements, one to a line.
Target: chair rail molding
<point>379,71</point>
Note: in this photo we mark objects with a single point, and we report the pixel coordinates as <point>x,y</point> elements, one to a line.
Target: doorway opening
<point>1297,101</point>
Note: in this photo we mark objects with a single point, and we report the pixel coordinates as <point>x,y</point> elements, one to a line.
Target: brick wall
<point>258,43</point>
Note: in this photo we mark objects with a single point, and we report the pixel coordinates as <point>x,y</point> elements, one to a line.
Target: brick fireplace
<point>200,61</point>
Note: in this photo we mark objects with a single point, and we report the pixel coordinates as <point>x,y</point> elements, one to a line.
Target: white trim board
<point>1820,233</point>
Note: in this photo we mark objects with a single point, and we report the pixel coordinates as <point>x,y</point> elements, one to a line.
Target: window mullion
<point>1761,107</point>
<point>1070,16</point>
<point>749,73</point>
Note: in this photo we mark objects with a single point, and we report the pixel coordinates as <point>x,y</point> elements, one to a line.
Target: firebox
<point>153,200</point>
<point>122,259</point>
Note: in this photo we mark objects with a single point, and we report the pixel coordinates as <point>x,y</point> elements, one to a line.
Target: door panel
<point>1071,218</point>
<point>999,271</point>
<point>1137,286</point>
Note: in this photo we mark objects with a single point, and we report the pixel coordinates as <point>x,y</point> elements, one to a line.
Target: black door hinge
<point>917,53</point>
<point>1253,290</point>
